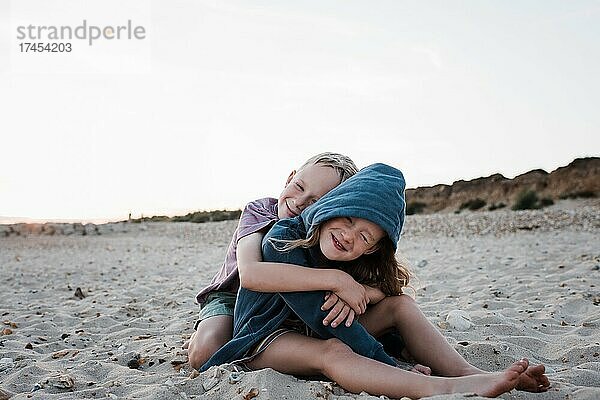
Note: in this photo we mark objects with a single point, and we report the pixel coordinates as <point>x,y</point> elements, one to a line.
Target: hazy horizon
<point>220,101</point>
<point>21,219</point>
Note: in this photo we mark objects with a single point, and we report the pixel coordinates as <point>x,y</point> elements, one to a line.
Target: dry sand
<point>529,280</point>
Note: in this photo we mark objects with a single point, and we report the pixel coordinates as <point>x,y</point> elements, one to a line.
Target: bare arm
<point>374,294</point>
<point>270,277</point>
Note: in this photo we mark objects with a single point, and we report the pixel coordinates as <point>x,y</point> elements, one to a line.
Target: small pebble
<point>252,393</point>
<point>63,382</point>
<point>459,320</point>
<point>37,386</point>
<point>235,377</point>
<point>79,294</point>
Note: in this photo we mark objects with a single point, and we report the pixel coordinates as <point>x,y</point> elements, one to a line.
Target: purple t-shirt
<point>257,215</point>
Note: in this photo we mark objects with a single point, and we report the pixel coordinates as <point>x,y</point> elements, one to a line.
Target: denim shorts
<point>217,303</point>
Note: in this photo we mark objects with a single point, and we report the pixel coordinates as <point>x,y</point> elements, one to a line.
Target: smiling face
<point>305,187</point>
<point>346,239</point>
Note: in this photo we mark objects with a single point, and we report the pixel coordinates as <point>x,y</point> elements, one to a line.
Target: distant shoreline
<point>579,179</point>
<point>196,216</point>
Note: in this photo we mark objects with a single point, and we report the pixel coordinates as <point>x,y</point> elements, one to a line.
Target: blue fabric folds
<point>376,193</point>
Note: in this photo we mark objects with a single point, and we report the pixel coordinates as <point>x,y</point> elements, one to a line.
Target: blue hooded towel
<point>375,193</point>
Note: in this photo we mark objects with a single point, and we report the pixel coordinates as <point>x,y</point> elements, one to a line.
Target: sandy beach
<point>105,315</point>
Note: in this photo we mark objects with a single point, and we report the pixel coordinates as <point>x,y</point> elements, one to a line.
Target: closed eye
<point>299,187</point>
<point>364,237</point>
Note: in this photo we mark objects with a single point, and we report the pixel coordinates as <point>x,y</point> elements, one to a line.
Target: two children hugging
<point>354,228</point>
<point>244,264</point>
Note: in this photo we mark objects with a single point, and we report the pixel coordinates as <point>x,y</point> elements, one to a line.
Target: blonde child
<point>355,227</point>
<point>313,179</point>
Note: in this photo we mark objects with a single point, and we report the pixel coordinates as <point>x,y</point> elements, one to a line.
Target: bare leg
<point>211,334</point>
<point>293,353</point>
<point>423,341</point>
<point>427,345</point>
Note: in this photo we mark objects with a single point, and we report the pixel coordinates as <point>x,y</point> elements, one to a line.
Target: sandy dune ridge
<point>529,281</point>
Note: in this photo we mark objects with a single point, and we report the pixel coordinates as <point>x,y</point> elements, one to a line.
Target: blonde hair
<point>379,269</point>
<point>342,164</point>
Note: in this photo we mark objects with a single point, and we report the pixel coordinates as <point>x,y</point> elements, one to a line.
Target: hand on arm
<point>263,276</point>
<point>352,293</point>
<point>340,311</point>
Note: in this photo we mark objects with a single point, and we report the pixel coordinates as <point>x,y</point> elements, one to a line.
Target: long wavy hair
<point>379,269</point>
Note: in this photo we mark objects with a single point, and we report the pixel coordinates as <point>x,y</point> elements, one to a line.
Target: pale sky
<point>222,99</point>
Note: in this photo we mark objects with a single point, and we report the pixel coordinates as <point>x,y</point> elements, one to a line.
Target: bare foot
<point>421,369</point>
<point>491,384</point>
<point>533,380</point>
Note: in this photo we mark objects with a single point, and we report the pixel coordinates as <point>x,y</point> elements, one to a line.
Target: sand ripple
<point>528,280</point>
